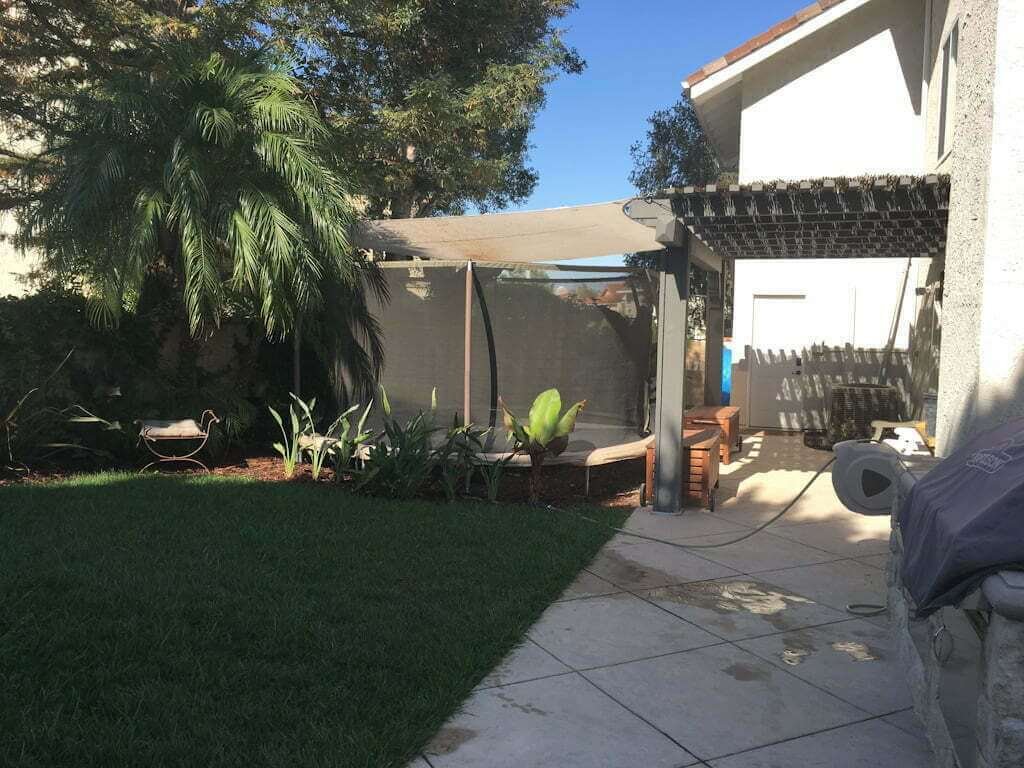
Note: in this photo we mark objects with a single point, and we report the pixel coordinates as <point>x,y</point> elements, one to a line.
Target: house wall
<point>940,17</point>
<point>850,304</point>
<point>845,101</point>
<point>981,380</point>
<point>852,300</point>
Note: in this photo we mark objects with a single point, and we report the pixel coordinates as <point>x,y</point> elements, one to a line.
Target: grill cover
<point>965,519</point>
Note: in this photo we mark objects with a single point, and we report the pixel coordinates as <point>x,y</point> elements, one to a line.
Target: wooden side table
<point>700,467</point>
<point>726,418</point>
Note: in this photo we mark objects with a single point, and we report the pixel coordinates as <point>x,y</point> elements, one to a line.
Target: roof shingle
<point>760,41</point>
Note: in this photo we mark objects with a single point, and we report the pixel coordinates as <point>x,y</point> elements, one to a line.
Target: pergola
<point>887,217</point>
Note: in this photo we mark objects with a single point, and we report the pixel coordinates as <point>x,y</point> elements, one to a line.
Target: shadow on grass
<point>187,621</point>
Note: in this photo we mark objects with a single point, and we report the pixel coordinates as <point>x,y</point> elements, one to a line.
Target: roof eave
<point>725,69</point>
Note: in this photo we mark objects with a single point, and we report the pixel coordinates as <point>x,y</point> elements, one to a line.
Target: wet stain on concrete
<point>857,651</point>
<point>796,648</point>
<point>623,572</point>
<point>746,673</point>
<point>448,740</point>
<point>528,709</point>
<point>732,597</point>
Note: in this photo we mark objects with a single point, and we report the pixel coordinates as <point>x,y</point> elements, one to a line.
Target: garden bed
<point>611,485</point>
<point>190,620</point>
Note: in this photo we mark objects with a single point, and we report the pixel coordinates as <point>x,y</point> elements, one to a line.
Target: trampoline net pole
<point>467,355</point>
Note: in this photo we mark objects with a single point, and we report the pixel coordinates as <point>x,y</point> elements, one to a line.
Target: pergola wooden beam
<point>886,217</point>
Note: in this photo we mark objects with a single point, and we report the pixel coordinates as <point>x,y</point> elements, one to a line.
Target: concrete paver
<point>853,660</point>
<point>742,607</point>
<point>527,662</point>
<point>588,585</point>
<point>761,552</point>
<point>599,631</point>
<point>563,721</point>
<point>742,656</point>
<point>872,744</point>
<point>852,536</point>
<point>836,584</point>
<point>638,564</point>
<point>722,699</point>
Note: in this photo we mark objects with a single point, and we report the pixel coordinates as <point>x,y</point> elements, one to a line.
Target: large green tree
<point>428,108</point>
<point>431,103</point>
<point>677,152</point>
<point>208,170</point>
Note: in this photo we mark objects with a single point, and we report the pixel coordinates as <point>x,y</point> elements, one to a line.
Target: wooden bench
<point>700,449</point>
<point>726,418</point>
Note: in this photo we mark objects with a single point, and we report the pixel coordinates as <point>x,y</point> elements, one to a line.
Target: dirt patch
<point>612,485</point>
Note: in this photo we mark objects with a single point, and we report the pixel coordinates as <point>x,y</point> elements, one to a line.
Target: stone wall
<point>968,692</point>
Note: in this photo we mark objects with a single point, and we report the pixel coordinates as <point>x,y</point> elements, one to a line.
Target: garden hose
<point>864,610</point>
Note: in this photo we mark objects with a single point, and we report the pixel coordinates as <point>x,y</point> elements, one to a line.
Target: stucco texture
<point>981,380</point>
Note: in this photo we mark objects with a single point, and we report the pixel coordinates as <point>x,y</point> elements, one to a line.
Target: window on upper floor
<point>947,106</point>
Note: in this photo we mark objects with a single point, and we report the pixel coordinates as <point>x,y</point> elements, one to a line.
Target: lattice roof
<point>825,218</point>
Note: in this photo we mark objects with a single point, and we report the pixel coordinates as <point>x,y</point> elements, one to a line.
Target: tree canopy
<point>207,170</point>
<point>675,153</point>
<point>430,104</point>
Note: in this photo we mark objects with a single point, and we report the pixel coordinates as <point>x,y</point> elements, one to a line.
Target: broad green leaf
<point>544,416</point>
<point>277,417</point>
<point>362,420</point>
<point>567,423</point>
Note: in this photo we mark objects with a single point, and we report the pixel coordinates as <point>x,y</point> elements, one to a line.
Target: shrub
<point>404,459</point>
<point>547,432</point>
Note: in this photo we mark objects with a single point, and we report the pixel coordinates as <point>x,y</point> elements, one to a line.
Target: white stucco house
<point>848,89</point>
<point>843,89</point>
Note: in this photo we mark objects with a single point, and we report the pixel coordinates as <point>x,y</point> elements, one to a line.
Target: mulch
<point>611,485</point>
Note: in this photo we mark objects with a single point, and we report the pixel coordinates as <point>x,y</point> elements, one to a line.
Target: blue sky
<point>637,53</point>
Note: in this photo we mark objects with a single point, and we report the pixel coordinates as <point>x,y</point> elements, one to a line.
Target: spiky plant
<point>546,434</point>
<point>208,172</point>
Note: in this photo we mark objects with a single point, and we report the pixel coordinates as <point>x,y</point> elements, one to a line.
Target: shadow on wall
<point>786,400</point>
<point>984,411</point>
<point>926,341</point>
<point>863,24</point>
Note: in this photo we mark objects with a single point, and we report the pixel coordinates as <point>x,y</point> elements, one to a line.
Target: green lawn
<point>173,621</point>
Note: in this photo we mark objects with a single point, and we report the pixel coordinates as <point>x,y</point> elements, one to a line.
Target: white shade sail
<point>575,232</point>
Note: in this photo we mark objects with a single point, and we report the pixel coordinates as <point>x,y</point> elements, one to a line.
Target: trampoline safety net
<point>586,331</point>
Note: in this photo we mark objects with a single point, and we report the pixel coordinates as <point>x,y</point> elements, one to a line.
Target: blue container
<point>726,374</point>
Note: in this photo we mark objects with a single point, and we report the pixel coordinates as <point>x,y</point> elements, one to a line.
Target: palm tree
<point>211,172</point>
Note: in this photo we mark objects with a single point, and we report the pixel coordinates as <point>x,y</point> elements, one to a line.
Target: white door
<point>783,327</point>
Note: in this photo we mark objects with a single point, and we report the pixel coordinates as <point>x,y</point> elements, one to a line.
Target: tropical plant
<point>492,473</point>
<point>210,174</point>
<point>347,437</point>
<point>316,446</point>
<point>546,433</point>
<point>400,462</point>
<point>26,429</point>
<point>290,447</point>
<point>454,457</point>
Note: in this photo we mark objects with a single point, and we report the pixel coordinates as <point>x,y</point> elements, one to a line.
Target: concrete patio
<point>737,657</point>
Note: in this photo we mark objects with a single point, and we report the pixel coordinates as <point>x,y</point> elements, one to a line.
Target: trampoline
<point>479,331</point>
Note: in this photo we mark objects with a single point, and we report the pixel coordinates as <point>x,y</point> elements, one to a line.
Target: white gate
<point>783,327</point>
